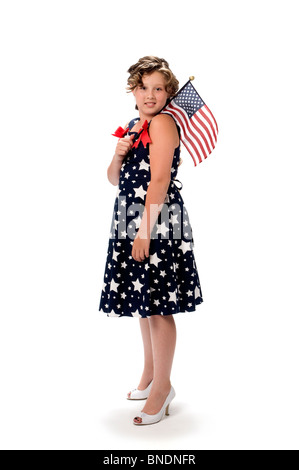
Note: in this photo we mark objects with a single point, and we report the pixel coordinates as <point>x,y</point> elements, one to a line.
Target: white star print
<point>137,221</point>
<point>139,192</point>
<point>154,259</point>
<point>162,229</point>
<point>172,296</point>
<point>137,285</point>
<point>174,219</point>
<point>143,165</point>
<point>184,246</point>
<point>115,254</point>
<point>113,314</point>
<point>114,285</point>
<point>136,313</point>
<point>196,292</point>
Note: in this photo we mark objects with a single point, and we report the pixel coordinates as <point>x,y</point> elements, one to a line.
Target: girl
<point>150,271</point>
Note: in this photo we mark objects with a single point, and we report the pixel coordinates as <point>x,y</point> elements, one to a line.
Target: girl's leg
<point>148,371</point>
<point>163,338</point>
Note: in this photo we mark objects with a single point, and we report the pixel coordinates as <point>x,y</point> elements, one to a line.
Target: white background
<point>65,367</point>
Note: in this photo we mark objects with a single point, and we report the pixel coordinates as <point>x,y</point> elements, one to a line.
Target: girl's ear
<point>134,93</point>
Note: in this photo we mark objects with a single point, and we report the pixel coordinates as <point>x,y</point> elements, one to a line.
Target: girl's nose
<point>150,94</point>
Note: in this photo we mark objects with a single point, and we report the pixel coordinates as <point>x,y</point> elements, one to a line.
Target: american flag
<point>198,126</point>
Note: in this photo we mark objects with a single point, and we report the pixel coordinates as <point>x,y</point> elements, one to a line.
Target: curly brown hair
<point>147,65</point>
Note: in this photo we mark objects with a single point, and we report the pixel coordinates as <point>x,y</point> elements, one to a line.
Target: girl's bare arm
<point>122,148</point>
<point>165,139</point>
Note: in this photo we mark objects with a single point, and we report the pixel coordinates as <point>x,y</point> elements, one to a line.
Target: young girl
<point>150,270</point>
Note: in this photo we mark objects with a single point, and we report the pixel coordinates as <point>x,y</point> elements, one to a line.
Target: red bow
<point>143,136</point>
<point>120,132</point>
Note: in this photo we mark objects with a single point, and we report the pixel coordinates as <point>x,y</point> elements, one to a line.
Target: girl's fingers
<point>138,255</point>
<point>123,147</point>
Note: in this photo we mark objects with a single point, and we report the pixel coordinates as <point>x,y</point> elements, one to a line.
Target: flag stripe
<point>201,120</point>
<point>202,129</point>
<point>186,137</point>
<point>213,118</point>
<point>190,132</point>
<point>207,114</point>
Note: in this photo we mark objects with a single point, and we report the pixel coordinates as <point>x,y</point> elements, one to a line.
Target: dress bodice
<point>136,164</point>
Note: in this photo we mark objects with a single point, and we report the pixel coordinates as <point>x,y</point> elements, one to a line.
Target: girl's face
<point>151,97</point>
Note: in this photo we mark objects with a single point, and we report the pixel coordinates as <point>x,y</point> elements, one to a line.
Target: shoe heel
<point>167,410</point>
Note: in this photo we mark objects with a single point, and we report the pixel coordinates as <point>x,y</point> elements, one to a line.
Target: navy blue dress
<point>167,281</point>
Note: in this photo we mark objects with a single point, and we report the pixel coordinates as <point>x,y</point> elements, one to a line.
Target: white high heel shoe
<point>151,419</point>
<point>137,394</point>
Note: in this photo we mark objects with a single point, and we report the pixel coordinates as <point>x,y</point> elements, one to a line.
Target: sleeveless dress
<point>167,281</point>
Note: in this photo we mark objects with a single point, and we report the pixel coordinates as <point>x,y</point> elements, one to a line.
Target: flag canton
<point>189,100</point>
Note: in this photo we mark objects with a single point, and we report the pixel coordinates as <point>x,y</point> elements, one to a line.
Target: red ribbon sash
<point>143,135</point>
<point>120,132</point>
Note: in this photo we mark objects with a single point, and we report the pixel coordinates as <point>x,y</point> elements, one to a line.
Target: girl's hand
<point>124,145</point>
<point>140,248</point>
